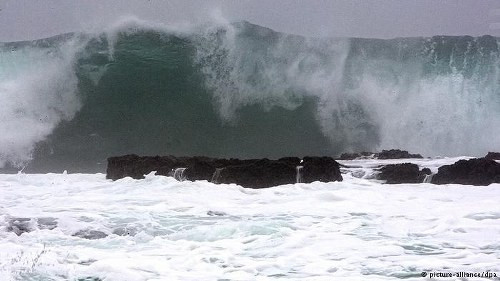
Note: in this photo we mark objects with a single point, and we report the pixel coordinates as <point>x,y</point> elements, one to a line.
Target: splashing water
<point>238,90</point>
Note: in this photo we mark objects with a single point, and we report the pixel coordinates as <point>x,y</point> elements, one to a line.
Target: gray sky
<point>29,19</point>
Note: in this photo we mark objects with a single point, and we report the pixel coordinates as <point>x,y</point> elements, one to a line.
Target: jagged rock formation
<point>479,171</point>
<point>396,154</point>
<point>385,154</point>
<point>355,155</point>
<point>493,155</point>
<point>24,225</point>
<point>403,173</point>
<point>90,234</point>
<point>253,173</point>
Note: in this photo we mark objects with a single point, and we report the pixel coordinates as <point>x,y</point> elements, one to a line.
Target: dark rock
<point>266,173</point>
<point>252,173</point>
<point>323,169</point>
<point>479,171</point>
<point>125,231</point>
<point>90,234</point>
<point>493,155</point>
<point>136,167</point>
<point>294,161</point>
<point>349,156</point>
<point>47,223</point>
<point>200,169</point>
<point>24,225</point>
<point>20,225</point>
<point>402,173</point>
<point>216,213</point>
<point>396,154</point>
<point>89,279</point>
<point>426,171</point>
<point>87,262</point>
<point>259,174</point>
<point>197,168</point>
<point>355,155</point>
<point>385,154</point>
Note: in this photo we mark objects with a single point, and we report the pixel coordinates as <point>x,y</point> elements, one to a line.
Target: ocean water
<point>241,90</point>
<point>162,229</point>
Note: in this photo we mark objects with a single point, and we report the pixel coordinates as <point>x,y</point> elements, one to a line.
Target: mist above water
<point>222,89</point>
<point>437,96</point>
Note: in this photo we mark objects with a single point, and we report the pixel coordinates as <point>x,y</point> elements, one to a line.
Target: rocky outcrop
<point>24,225</point>
<point>385,154</point>
<point>355,155</point>
<point>254,173</point>
<point>323,169</point>
<point>480,171</point>
<point>90,234</point>
<point>136,167</point>
<point>20,225</point>
<point>259,174</point>
<point>89,279</point>
<point>493,155</point>
<point>396,154</point>
<point>403,173</point>
<point>125,231</point>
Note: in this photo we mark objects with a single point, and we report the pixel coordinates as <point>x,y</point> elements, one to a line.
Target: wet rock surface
<point>20,225</point>
<point>136,167</point>
<point>355,155</point>
<point>89,279</point>
<point>125,231</point>
<point>479,171</point>
<point>403,173</point>
<point>216,213</point>
<point>90,234</point>
<point>25,225</point>
<point>493,155</point>
<point>385,154</point>
<point>252,173</point>
<point>396,154</point>
<point>323,169</point>
<point>259,174</point>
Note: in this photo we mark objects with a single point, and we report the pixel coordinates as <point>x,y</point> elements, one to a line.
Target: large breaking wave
<point>241,90</point>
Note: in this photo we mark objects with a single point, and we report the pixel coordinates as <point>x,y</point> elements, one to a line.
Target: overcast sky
<point>29,19</point>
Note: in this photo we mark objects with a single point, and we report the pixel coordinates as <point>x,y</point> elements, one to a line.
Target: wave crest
<point>243,90</point>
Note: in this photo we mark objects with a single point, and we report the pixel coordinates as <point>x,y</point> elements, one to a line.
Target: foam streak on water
<point>162,229</point>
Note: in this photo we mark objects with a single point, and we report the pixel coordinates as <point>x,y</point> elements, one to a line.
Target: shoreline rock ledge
<point>478,171</point>
<point>251,173</point>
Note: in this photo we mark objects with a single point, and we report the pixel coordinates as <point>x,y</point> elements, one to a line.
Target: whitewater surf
<point>240,90</point>
<point>84,227</point>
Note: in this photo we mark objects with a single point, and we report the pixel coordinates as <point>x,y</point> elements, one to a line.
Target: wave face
<point>241,90</point>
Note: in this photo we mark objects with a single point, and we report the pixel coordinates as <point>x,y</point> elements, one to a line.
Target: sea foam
<point>159,228</point>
